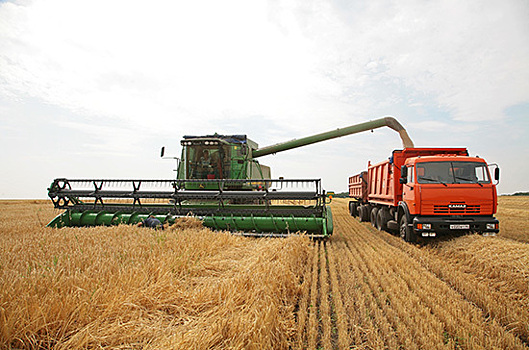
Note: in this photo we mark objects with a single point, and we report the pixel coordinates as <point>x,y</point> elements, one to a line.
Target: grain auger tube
<point>390,122</point>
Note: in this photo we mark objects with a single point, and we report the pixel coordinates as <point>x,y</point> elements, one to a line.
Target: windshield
<point>207,162</point>
<point>452,173</point>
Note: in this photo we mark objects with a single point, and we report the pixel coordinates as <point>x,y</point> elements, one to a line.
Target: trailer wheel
<point>406,233</point>
<point>353,208</point>
<point>374,213</point>
<point>367,212</point>
<point>362,213</point>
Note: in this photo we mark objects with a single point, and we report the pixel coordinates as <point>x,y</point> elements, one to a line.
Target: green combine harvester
<point>220,181</point>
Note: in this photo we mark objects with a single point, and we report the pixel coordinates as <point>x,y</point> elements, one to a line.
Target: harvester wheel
<point>406,233</point>
<point>374,213</point>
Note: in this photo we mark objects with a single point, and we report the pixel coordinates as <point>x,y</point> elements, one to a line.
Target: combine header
<point>220,181</point>
<point>224,206</point>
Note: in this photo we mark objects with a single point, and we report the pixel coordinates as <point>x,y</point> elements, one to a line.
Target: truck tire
<point>406,233</point>
<point>373,217</point>
<point>361,213</point>
<point>365,213</point>
<point>382,219</point>
<point>353,208</point>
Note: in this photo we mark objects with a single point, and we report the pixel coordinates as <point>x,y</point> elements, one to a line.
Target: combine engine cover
<point>272,208</point>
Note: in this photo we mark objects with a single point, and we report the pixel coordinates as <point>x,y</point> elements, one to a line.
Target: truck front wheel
<point>406,232</point>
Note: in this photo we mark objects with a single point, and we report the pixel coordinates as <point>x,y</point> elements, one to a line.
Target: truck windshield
<point>207,162</point>
<point>452,173</point>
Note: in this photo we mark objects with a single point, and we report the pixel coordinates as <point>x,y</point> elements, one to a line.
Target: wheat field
<point>187,287</point>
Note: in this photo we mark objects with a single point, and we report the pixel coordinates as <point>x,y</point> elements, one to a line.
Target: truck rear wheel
<point>382,219</point>
<point>374,213</point>
<point>406,232</point>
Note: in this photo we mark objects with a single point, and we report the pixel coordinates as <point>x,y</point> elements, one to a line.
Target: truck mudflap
<point>429,226</point>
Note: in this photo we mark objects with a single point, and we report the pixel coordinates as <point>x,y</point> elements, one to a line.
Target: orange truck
<point>425,192</point>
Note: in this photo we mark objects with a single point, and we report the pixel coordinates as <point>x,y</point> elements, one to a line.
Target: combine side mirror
<point>497,174</point>
<point>162,152</point>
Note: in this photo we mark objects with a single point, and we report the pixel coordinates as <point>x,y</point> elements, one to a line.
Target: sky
<point>94,89</point>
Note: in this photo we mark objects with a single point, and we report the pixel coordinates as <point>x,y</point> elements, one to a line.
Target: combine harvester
<point>220,181</point>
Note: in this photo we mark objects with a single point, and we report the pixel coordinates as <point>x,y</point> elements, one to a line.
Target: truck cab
<point>448,193</point>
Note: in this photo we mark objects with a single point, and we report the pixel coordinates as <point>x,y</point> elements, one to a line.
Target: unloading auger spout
<point>390,122</point>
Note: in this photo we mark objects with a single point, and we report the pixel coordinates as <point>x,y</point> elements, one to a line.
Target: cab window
<point>410,178</point>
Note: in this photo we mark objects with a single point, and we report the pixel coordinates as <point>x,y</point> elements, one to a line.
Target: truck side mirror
<point>162,152</point>
<point>404,171</point>
<point>403,174</point>
<point>496,172</point>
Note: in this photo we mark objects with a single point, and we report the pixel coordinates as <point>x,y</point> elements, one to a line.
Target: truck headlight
<point>491,226</point>
<point>426,226</point>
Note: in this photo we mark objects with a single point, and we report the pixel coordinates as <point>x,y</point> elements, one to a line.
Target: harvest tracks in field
<point>368,289</point>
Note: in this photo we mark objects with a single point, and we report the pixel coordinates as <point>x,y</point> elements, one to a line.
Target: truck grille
<point>448,209</point>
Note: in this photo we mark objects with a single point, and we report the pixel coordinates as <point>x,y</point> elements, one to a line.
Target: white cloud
<point>125,60</point>
<point>471,57</point>
<point>285,60</point>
